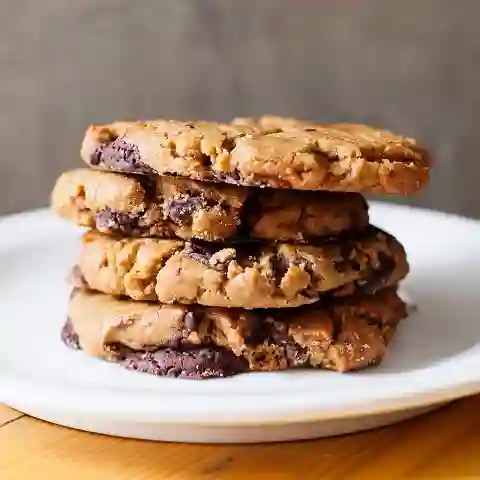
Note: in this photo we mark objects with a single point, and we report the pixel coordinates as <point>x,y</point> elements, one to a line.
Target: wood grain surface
<point>442,444</point>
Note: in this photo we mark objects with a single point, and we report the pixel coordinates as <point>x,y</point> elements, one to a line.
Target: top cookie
<point>270,151</point>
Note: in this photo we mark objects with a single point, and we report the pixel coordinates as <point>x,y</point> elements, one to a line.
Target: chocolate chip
<point>280,266</point>
<point>297,356</point>
<point>194,363</point>
<point>228,144</point>
<point>120,155</point>
<point>190,321</point>
<point>228,177</point>
<point>198,252</point>
<point>205,160</point>
<point>347,252</point>
<point>203,254</point>
<point>96,156</point>
<point>279,334</point>
<point>124,223</point>
<point>151,186</point>
<point>69,336</point>
<point>181,211</point>
<point>175,340</point>
<point>378,277</point>
<point>77,280</point>
<point>307,265</point>
<point>206,354</point>
<point>189,362</point>
<point>356,266</point>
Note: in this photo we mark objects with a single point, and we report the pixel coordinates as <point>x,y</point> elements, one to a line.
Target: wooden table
<point>442,444</point>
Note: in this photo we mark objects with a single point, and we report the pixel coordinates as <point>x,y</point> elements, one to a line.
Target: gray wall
<point>412,66</point>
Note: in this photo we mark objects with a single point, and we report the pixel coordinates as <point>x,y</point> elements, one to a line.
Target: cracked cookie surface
<point>269,151</point>
<point>173,207</point>
<point>201,342</point>
<point>249,276</point>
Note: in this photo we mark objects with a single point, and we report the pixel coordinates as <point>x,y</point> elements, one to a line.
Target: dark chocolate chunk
<point>378,278</point>
<point>121,156</point>
<point>181,211</point>
<point>199,252</point>
<point>190,362</point>
<point>347,251</point>
<point>297,356</point>
<point>233,178</point>
<point>69,336</point>
<point>190,321</point>
<point>228,144</point>
<point>194,364</point>
<point>77,280</point>
<point>280,266</point>
<point>124,223</point>
<point>175,341</point>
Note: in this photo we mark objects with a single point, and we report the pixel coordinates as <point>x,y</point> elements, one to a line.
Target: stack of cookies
<point>215,249</point>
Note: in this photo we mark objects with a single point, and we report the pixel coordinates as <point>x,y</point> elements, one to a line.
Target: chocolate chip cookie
<point>270,151</point>
<point>249,276</point>
<point>201,342</point>
<point>167,207</point>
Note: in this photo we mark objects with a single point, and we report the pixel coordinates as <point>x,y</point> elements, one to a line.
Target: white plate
<point>434,358</point>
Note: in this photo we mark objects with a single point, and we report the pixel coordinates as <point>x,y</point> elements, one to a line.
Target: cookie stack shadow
<point>215,249</point>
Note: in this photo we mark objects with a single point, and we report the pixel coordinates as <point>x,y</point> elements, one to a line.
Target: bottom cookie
<point>190,341</point>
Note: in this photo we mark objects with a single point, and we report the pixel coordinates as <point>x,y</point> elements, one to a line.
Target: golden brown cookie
<point>201,342</point>
<point>242,275</point>
<point>270,151</point>
<point>168,207</point>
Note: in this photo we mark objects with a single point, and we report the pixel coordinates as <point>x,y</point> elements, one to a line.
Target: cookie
<point>199,342</point>
<point>254,275</point>
<point>172,207</point>
<point>270,151</point>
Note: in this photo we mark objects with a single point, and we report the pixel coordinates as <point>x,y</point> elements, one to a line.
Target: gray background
<point>412,66</point>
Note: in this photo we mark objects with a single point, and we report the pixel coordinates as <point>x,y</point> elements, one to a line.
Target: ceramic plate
<point>434,358</point>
